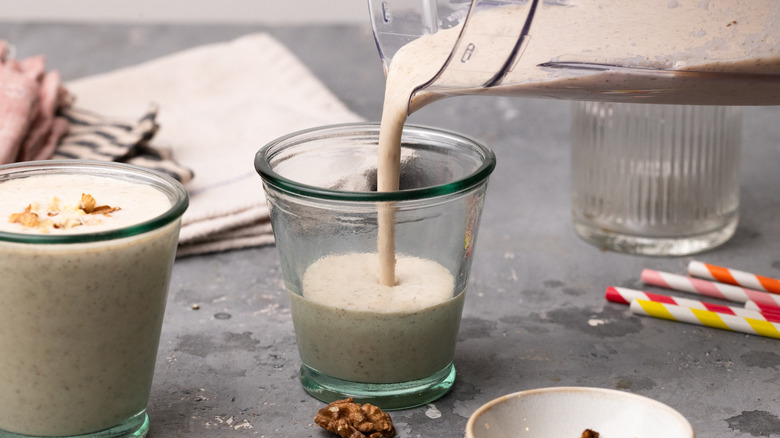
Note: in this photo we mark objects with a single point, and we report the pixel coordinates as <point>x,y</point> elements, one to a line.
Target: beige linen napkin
<point>218,104</point>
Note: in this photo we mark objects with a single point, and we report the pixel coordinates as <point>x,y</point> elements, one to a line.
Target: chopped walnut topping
<point>588,433</point>
<point>27,218</point>
<point>80,213</point>
<point>88,203</point>
<point>352,420</point>
<point>54,207</point>
<point>104,210</point>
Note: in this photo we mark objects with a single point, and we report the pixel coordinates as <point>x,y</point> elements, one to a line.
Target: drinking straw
<point>733,276</point>
<point>626,296</point>
<point>706,318</point>
<point>752,305</point>
<point>709,288</point>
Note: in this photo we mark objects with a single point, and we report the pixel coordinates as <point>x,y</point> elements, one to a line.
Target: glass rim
<point>269,176</point>
<point>162,181</point>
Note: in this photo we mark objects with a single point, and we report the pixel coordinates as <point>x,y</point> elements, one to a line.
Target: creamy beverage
<point>352,328</point>
<point>389,345</point>
<point>80,321</point>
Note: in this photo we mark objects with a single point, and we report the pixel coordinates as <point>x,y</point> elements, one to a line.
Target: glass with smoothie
<point>86,253</point>
<point>393,344</point>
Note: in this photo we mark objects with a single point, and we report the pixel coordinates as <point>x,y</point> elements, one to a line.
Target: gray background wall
<point>186,11</point>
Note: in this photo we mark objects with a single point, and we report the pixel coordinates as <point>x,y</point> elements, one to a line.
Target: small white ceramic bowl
<point>565,412</point>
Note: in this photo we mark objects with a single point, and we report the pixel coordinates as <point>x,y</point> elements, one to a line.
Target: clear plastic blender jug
<point>724,52</point>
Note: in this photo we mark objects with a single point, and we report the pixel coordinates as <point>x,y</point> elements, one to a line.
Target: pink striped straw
<point>705,318</point>
<point>626,296</point>
<point>733,276</point>
<point>716,290</point>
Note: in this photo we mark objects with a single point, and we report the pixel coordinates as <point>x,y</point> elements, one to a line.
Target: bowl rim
<point>583,389</point>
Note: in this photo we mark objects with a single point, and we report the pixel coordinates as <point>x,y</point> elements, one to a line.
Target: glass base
<point>655,246</point>
<point>387,396</point>
<point>135,427</point>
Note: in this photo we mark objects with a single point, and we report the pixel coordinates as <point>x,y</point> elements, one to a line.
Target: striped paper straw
<point>733,276</point>
<point>752,305</point>
<point>711,289</point>
<point>706,318</point>
<point>626,296</point>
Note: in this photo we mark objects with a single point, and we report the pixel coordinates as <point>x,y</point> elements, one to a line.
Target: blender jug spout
<point>472,54</point>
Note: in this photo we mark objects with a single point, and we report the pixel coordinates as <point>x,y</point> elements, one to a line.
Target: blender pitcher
<point>655,51</point>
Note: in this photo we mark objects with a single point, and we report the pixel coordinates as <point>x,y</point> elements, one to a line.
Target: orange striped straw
<point>733,276</point>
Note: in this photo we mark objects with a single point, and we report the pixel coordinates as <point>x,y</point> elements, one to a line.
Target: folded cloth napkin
<point>218,104</point>
<point>29,100</point>
<point>37,122</point>
<point>94,137</point>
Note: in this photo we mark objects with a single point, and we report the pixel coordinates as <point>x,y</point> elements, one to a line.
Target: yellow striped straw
<point>706,318</point>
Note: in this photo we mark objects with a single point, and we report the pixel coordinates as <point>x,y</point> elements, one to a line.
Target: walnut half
<point>352,420</point>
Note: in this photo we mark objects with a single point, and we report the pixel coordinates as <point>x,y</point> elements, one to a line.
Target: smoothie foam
<point>58,198</point>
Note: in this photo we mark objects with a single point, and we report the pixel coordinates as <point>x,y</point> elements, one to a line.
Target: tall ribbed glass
<point>655,179</point>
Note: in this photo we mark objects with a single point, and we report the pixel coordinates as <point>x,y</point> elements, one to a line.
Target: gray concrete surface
<point>535,313</point>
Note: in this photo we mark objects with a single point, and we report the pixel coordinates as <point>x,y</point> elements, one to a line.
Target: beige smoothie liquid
<point>80,322</point>
<point>352,328</point>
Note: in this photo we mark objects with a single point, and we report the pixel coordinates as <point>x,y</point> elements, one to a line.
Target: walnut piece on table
<point>588,433</point>
<point>352,420</point>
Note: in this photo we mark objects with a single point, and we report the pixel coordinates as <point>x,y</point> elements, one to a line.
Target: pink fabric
<point>29,100</point>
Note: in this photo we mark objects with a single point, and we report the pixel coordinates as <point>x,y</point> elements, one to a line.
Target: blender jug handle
<point>482,53</point>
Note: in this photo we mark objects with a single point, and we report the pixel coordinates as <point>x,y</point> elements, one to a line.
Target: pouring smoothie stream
<point>653,51</point>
